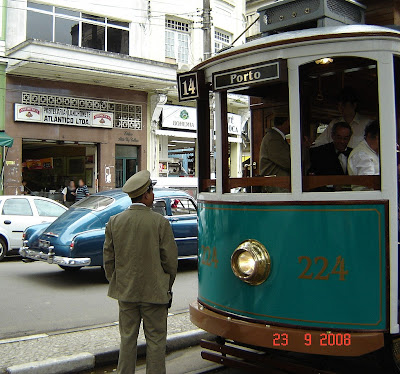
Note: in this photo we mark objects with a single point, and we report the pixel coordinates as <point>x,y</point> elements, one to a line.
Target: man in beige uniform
<point>140,262</point>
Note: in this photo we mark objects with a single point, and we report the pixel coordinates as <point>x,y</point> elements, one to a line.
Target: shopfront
<point>69,131</point>
<point>177,139</point>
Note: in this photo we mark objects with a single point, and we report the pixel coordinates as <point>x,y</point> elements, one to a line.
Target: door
<point>184,225</point>
<point>125,167</point>
<point>16,215</point>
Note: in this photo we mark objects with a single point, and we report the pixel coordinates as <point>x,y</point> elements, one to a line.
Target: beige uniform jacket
<point>274,155</point>
<point>140,256</point>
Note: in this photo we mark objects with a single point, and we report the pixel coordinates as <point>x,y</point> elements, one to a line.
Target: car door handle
<point>7,222</point>
<point>173,219</point>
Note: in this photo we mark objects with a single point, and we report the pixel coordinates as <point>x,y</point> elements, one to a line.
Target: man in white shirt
<point>364,159</point>
<point>347,106</point>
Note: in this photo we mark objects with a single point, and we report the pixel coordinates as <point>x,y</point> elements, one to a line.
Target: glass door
<point>124,168</point>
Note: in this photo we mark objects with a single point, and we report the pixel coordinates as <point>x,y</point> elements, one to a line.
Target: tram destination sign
<point>274,71</point>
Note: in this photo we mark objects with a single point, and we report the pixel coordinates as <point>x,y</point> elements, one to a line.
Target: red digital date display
<point>323,340</point>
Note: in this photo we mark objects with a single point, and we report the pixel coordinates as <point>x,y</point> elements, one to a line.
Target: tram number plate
<point>327,339</point>
<point>323,263</point>
<point>209,256</point>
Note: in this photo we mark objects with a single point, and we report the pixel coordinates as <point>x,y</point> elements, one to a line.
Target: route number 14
<point>188,86</point>
<point>189,89</point>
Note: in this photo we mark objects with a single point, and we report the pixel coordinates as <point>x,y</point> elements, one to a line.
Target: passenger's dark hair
<point>347,95</point>
<point>279,121</point>
<point>343,125</point>
<point>372,129</point>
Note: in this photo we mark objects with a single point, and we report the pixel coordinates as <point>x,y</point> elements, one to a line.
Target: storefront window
<point>76,28</point>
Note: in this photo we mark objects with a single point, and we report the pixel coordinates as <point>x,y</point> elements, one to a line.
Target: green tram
<point>303,263</point>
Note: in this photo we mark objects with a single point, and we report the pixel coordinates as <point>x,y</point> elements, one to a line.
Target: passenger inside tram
<point>331,158</point>
<point>364,159</point>
<point>275,150</point>
<point>347,107</point>
<point>262,162</point>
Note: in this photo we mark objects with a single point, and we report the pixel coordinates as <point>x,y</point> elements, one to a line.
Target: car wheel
<point>3,249</point>
<point>70,269</point>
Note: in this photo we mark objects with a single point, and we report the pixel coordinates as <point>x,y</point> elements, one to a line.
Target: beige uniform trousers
<point>155,329</point>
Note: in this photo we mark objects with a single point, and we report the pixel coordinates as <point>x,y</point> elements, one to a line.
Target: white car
<point>19,212</point>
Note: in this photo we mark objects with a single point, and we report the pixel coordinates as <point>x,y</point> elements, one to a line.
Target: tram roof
<point>300,36</point>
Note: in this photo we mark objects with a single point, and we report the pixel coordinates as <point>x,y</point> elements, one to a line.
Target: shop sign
<point>250,75</point>
<point>43,163</point>
<point>63,116</point>
<point>100,119</point>
<point>28,113</point>
<point>234,124</point>
<point>179,117</point>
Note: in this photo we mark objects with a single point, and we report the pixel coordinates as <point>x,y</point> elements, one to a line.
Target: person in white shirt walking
<point>364,159</point>
<point>347,107</point>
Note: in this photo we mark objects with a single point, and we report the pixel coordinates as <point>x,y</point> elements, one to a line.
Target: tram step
<point>256,361</point>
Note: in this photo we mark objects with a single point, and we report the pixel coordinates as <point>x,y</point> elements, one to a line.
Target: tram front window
<point>339,120</point>
<point>258,155</point>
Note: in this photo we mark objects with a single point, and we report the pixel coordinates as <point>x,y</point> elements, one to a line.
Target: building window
<point>221,40</point>
<point>177,40</point>
<point>61,25</point>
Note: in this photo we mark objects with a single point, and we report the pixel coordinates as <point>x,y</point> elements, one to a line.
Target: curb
<point>87,361</point>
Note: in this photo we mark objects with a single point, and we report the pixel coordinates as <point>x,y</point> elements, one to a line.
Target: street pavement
<point>41,298</point>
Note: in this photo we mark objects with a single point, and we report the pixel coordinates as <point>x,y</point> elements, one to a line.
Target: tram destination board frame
<point>250,75</point>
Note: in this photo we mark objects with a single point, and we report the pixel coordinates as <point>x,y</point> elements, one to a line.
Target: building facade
<point>87,85</point>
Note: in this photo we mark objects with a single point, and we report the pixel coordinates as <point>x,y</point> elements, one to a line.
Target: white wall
<point>147,21</point>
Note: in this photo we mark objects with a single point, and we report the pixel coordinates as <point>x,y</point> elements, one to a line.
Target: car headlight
<point>251,262</point>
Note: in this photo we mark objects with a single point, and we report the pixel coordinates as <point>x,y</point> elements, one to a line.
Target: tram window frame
<point>270,184</point>
<point>347,71</point>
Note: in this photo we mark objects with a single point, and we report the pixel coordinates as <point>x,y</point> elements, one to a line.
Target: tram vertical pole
<point>225,144</point>
<point>203,135</point>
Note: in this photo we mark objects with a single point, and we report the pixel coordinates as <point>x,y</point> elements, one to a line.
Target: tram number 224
<point>338,268</point>
<point>209,256</point>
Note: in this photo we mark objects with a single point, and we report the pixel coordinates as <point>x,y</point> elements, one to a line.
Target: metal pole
<point>206,29</point>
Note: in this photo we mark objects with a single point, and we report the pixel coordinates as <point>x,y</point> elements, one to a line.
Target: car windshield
<point>94,202</point>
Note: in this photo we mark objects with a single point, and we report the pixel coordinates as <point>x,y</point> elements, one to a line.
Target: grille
<point>346,9</point>
<point>126,116</point>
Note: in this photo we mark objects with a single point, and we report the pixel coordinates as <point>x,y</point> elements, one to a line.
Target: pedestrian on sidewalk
<point>140,262</point>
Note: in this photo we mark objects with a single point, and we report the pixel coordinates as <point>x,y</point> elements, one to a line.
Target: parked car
<point>19,212</point>
<point>76,239</point>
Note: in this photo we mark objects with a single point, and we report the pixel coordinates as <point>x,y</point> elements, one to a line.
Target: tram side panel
<point>328,264</point>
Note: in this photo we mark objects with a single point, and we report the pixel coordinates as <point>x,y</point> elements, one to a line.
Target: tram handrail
<point>270,181</point>
<point>309,182</point>
<point>313,181</point>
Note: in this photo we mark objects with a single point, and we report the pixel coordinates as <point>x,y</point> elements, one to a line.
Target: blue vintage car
<point>76,238</point>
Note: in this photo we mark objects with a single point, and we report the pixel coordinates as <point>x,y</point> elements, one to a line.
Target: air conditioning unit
<point>288,15</point>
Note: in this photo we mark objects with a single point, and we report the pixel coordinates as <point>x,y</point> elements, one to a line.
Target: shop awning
<point>5,140</point>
